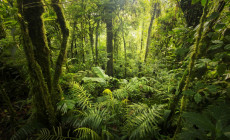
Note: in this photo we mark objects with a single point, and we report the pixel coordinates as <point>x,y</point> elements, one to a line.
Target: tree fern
<point>143,125</point>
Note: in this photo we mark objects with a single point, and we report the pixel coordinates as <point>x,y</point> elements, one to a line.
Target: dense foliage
<point>115,69</point>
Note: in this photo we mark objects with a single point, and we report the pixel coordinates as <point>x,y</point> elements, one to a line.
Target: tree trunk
<point>33,16</point>
<point>142,36</point>
<point>2,31</point>
<point>73,39</point>
<point>149,32</point>
<point>96,42</point>
<point>109,39</point>
<point>36,57</point>
<point>91,40</point>
<point>56,94</point>
<point>123,36</point>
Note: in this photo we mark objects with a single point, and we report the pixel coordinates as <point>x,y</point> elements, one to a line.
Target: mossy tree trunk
<point>38,58</point>
<point>96,42</point>
<point>109,39</point>
<point>46,92</point>
<point>2,30</point>
<point>56,94</point>
<point>73,40</point>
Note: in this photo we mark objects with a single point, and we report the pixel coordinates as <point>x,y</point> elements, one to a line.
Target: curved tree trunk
<point>56,94</point>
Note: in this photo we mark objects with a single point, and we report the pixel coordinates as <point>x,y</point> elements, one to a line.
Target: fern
<point>100,73</point>
<point>96,117</point>
<point>45,134</point>
<point>87,134</point>
<point>143,124</point>
<point>81,97</point>
<point>26,130</point>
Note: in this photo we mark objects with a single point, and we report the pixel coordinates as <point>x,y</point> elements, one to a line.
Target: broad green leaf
<point>94,79</point>
<point>215,47</point>
<point>227,47</point>
<point>188,92</point>
<point>200,121</point>
<point>212,88</point>
<point>195,1</point>
<point>197,98</point>
<point>213,15</point>
<point>100,72</point>
<point>221,69</point>
<point>203,2</point>
<point>217,41</point>
<point>219,26</point>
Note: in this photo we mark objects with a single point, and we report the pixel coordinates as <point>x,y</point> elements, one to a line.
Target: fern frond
<point>100,72</point>
<point>95,118</point>
<point>143,124</point>
<point>87,134</point>
<point>45,134</point>
<point>81,97</point>
<point>26,130</point>
<point>136,108</point>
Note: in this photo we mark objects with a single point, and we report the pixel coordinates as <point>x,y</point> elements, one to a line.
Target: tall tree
<point>38,58</point>
<point>109,39</point>
<point>154,11</point>
<point>46,92</point>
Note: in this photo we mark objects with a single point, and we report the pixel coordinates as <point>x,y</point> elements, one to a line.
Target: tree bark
<point>56,94</point>
<point>33,16</point>
<point>73,39</point>
<point>150,31</point>
<point>109,39</point>
<point>91,39</point>
<point>96,42</point>
<point>39,73</point>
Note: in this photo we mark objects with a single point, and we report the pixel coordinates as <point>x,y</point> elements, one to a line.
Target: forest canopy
<point>115,69</point>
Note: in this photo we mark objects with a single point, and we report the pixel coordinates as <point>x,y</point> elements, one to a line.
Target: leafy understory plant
<point>213,123</point>
<point>142,121</point>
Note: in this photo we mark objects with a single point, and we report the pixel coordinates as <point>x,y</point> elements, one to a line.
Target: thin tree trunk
<point>142,36</point>
<point>125,48</point>
<point>2,30</point>
<point>82,42</point>
<point>149,32</point>
<point>91,40</point>
<point>73,39</point>
<point>96,42</point>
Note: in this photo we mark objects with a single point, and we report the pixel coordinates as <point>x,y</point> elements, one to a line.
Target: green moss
<point>56,94</point>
